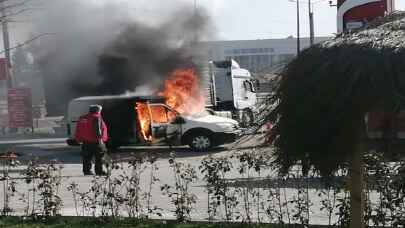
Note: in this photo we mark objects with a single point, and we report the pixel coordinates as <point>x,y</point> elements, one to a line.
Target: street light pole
<point>195,38</point>
<point>311,23</point>
<point>298,27</point>
<point>6,43</point>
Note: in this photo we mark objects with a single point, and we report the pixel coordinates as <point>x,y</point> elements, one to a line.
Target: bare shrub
<point>45,180</point>
<point>180,195</point>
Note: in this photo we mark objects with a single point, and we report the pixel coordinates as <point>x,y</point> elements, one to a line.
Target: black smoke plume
<point>103,50</point>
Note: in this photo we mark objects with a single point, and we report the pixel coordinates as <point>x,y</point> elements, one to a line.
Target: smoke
<point>103,49</point>
<point>144,55</point>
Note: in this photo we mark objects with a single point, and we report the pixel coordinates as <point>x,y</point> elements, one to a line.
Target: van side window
<point>161,114</point>
<point>171,116</point>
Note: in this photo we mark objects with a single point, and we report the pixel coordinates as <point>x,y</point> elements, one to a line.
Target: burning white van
<point>148,120</point>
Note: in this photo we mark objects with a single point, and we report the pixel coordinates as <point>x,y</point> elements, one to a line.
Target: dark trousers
<point>90,150</point>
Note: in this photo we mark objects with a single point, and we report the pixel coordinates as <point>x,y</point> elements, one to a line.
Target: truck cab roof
<point>227,64</point>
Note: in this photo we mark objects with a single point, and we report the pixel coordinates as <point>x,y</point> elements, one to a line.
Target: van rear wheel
<point>200,142</point>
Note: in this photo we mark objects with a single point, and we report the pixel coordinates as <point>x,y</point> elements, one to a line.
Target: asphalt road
<point>47,150</point>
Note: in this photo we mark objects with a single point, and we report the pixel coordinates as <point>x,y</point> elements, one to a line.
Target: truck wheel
<point>200,142</point>
<point>247,118</point>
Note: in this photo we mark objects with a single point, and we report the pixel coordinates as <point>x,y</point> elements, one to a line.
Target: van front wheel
<point>200,142</point>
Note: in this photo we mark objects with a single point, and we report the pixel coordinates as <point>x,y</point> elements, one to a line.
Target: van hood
<point>211,119</point>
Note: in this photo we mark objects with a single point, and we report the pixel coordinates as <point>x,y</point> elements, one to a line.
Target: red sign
<point>20,107</point>
<point>386,124</point>
<point>3,69</point>
<point>356,13</point>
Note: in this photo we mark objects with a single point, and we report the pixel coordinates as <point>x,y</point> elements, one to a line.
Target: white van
<point>201,131</point>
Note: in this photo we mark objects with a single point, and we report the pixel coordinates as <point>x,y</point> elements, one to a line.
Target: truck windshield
<point>248,85</point>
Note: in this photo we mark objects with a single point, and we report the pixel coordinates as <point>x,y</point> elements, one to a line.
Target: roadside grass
<point>77,222</point>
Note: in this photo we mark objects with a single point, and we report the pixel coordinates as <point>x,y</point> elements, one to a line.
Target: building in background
<point>257,55</point>
<point>263,58</point>
<point>352,14</point>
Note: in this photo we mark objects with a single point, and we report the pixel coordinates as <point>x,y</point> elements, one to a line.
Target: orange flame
<point>182,93</point>
<point>144,119</point>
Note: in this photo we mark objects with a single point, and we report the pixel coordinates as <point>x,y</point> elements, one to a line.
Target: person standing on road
<point>91,131</point>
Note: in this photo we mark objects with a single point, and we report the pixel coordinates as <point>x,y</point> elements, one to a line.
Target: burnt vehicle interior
<point>123,122</point>
<point>120,119</point>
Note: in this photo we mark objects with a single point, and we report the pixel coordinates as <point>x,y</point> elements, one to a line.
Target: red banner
<point>20,107</point>
<point>378,123</point>
<point>3,69</point>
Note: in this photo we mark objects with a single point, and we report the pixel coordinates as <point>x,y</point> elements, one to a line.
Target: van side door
<point>165,129</point>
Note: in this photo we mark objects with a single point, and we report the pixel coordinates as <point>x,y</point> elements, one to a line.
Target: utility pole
<point>6,42</point>
<point>298,27</point>
<point>311,23</point>
<point>195,38</point>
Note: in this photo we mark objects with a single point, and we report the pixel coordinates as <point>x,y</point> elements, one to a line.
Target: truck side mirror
<point>179,120</point>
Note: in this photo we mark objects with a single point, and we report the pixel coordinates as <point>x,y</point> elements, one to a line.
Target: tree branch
<point>4,16</point>
<point>14,5</point>
<point>27,42</point>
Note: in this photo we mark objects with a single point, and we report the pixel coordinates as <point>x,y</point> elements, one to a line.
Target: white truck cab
<point>232,89</point>
<point>200,131</point>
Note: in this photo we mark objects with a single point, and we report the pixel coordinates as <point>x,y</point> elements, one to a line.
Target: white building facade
<point>257,55</point>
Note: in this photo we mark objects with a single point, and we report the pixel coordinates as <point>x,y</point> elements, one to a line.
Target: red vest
<point>86,131</point>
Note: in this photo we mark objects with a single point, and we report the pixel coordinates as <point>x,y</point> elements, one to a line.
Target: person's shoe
<point>102,173</point>
<point>88,173</point>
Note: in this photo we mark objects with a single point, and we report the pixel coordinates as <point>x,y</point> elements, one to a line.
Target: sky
<point>252,19</point>
<point>261,19</point>
<point>233,19</point>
